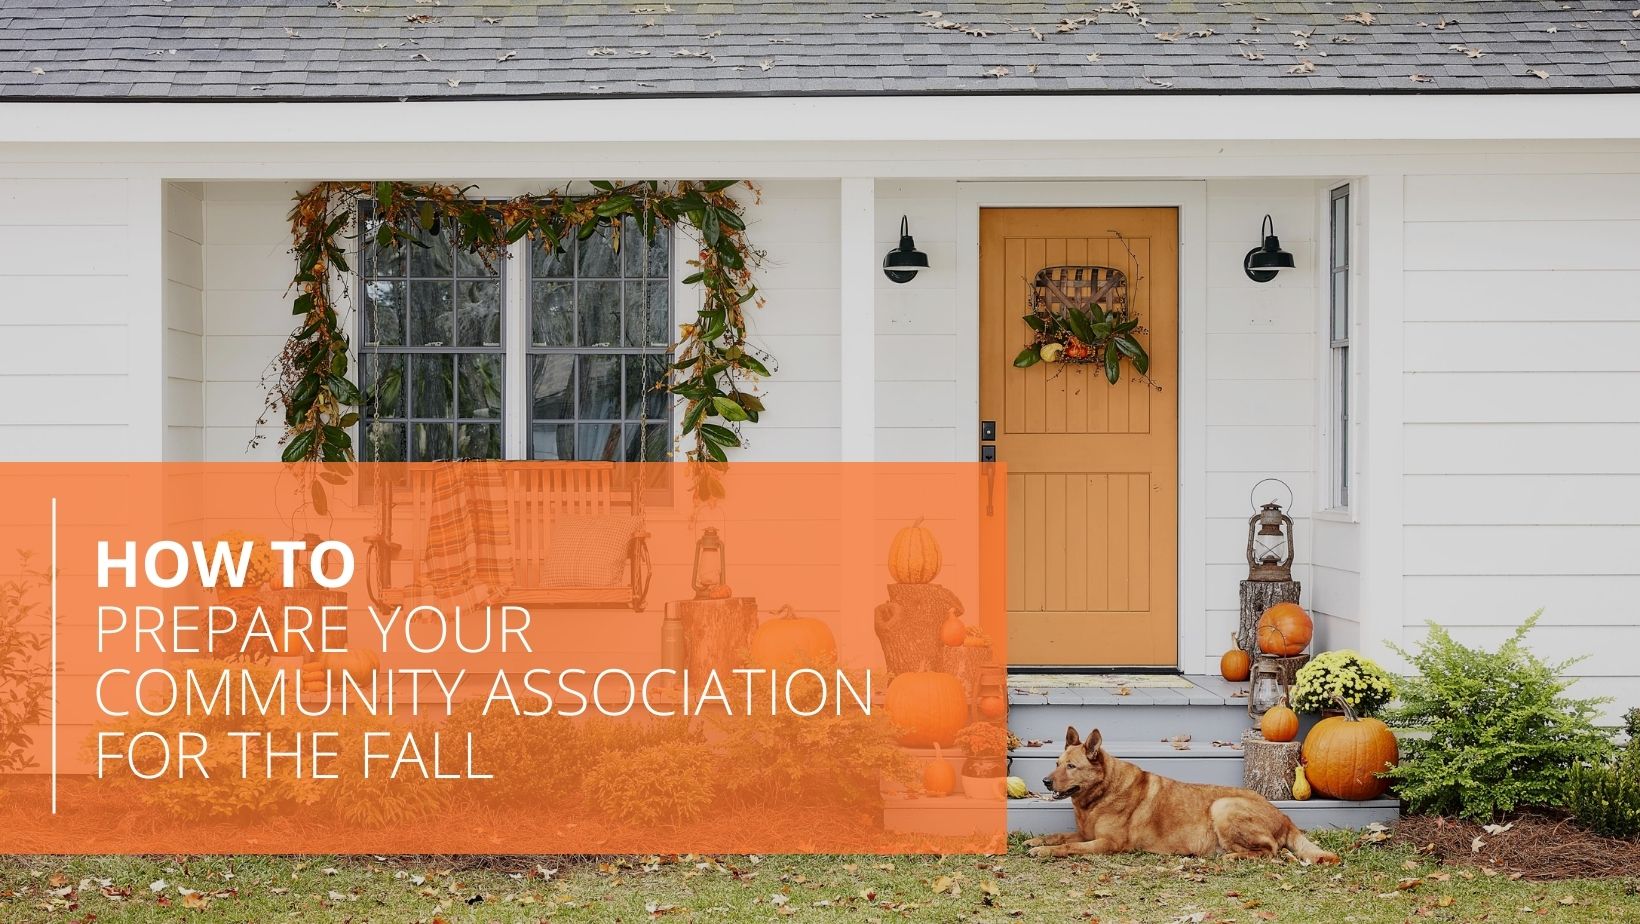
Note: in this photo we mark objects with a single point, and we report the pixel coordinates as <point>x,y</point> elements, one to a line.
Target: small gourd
<point>1301,786</point>
<point>953,632</point>
<point>938,777</point>
<point>1235,665</point>
<point>993,707</point>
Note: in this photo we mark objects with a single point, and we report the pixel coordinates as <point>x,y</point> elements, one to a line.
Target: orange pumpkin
<point>993,707</point>
<point>1235,665</point>
<point>938,777</point>
<point>789,641</point>
<point>1279,724</point>
<point>1344,754</point>
<point>1285,630</point>
<point>720,592</point>
<point>952,632</point>
<point>914,556</point>
<point>929,707</point>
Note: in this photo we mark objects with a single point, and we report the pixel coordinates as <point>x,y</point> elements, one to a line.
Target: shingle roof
<point>443,49</point>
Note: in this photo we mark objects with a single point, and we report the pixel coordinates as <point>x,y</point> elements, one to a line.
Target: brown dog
<point>1120,808</point>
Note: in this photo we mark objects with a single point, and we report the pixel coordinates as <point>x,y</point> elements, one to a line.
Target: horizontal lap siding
<point>185,370</point>
<point>1522,438</point>
<point>65,249</point>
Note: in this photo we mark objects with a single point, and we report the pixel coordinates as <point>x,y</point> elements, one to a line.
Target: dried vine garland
<point>714,362</point>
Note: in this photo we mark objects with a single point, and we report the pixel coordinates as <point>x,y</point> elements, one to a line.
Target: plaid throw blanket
<point>469,558</point>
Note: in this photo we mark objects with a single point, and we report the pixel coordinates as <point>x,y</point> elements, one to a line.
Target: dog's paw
<point>1327,859</point>
<point>1036,842</point>
<point>1042,853</point>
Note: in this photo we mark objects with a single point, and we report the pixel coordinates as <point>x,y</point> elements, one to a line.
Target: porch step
<point>1201,764</point>
<point>1205,708</point>
<point>1045,816</point>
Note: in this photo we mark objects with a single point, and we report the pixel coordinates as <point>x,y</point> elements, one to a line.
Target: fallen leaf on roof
<point>780,41</point>
<point>1362,17</point>
<point>1170,36</point>
<point>493,20</point>
<point>1030,68</point>
<point>453,82</point>
<point>662,8</point>
<point>766,63</point>
<point>1302,45</point>
<point>1342,40</point>
<point>1179,742</point>
<point>1419,78</point>
<point>421,56</point>
<point>601,52</point>
<point>997,72</point>
<point>1302,33</point>
<point>420,19</point>
<point>1252,55</point>
<point>37,71</point>
<point>506,56</point>
<point>1093,56</point>
<point>1467,51</point>
<point>1305,66</point>
<point>715,33</point>
<point>1164,84</point>
<point>1201,33</point>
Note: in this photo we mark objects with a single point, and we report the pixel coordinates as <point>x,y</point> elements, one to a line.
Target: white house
<point>1448,377</point>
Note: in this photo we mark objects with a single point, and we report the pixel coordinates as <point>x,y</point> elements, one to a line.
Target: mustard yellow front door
<point>1092,468</point>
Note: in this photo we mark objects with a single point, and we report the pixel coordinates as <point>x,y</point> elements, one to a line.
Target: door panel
<point>1092,468</point>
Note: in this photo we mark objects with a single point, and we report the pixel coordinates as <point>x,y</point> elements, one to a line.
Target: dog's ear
<point>1094,741</point>
<point>1072,739</point>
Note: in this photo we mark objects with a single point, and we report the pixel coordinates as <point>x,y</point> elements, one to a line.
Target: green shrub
<point>25,669</point>
<point>1498,730</point>
<point>667,784</point>
<point>1631,724</point>
<point>1605,798</point>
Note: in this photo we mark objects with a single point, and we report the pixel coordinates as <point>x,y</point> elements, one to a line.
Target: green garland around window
<point>311,384</point>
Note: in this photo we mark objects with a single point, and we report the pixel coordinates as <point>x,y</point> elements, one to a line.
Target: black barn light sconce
<point>1262,263</point>
<point>902,263</point>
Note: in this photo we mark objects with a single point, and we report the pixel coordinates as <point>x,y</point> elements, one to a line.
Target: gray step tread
<point>1128,750</point>
<point>1204,690</point>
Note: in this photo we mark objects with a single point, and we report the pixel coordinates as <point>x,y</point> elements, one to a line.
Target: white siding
<point>65,296</point>
<point>1522,351</point>
<point>184,321</point>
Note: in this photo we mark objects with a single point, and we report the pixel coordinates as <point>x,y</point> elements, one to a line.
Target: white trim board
<point>923,119</point>
<point>1190,198</point>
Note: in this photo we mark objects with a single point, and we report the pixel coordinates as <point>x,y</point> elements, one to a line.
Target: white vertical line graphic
<point>54,656</point>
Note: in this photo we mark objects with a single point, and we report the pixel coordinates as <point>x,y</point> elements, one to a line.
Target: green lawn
<point>1375,883</point>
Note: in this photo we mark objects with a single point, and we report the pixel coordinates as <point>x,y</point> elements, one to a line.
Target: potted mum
<point>985,771</point>
<point>1341,675</point>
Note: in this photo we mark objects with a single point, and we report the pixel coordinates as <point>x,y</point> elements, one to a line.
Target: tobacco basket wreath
<point>1081,315</point>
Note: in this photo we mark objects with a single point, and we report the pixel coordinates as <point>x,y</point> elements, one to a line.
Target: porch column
<point>1379,460</point>
<point>145,321</point>
<point>856,291</point>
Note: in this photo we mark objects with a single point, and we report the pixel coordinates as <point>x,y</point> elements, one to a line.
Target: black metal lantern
<point>711,570</point>
<point>1262,263</point>
<point>1270,539</point>
<point>903,263</point>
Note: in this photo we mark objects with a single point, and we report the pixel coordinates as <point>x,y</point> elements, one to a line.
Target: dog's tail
<point>1306,849</point>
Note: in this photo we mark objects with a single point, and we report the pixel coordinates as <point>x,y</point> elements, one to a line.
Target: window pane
<point>558,264</point>
<point>552,313</point>
<point>1340,306</point>
<point>595,256</point>
<point>433,260</point>
<point>599,389</point>
<point>658,257</point>
<point>480,385</point>
<point>430,442</point>
<point>550,378</point>
<point>375,260</point>
<point>552,441</point>
<point>469,265</point>
<point>643,400</point>
<point>478,313</point>
<point>653,446</point>
<point>384,442</point>
<point>384,312</point>
<point>382,378</point>
<point>430,314</point>
<point>432,389</point>
<point>633,249</point>
<point>1341,231</point>
<point>478,441</point>
<point>599,312</point>
<point>598,442</point>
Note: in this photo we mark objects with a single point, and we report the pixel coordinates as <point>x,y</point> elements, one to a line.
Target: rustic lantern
<point>711,571</point>
<point>1266,690</point>
<point>1270,540</point>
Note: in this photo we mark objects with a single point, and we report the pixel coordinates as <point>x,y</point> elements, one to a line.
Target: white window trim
<point>1328,464</point>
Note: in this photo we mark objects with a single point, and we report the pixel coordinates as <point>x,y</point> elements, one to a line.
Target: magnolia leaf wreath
<point>1080,315</point>
<point>714,365</point>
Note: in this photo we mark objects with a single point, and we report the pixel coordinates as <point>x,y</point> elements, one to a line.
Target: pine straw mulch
<point>1530,845</point>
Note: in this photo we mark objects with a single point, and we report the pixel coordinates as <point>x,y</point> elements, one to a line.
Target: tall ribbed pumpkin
<point>914,556</point>
<point>929,707</point>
